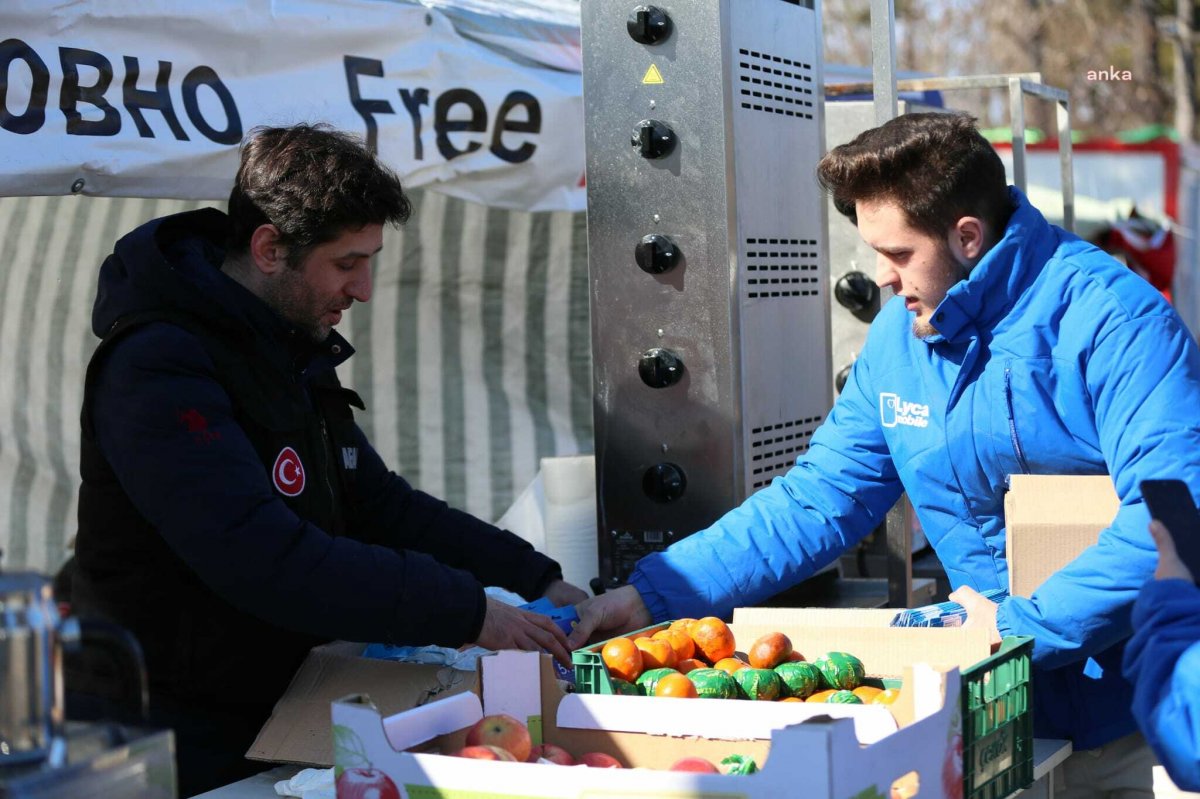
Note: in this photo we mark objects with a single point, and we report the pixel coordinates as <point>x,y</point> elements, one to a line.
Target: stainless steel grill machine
<point>707,258</point>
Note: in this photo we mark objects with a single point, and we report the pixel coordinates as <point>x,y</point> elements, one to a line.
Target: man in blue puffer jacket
<point>1012,347</point>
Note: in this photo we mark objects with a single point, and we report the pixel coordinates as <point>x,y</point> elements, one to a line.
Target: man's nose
<point>885,275</point>
<point>360,288</point>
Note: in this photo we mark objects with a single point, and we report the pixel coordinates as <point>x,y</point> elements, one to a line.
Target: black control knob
<point>656,254</point>
<point>648,25</point>
<point>653,139</point>
<point>856,291</point>
<point>660,368</point>
<point>664,482</point>
<point>839,382</point>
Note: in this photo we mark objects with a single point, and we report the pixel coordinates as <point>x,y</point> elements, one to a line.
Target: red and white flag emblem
<point>288,473</point>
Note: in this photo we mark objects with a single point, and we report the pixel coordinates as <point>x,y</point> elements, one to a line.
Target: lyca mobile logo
<point>894,411</point>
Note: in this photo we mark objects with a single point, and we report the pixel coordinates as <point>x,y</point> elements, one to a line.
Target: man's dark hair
<point>937,167</point>
<point>313,183</point>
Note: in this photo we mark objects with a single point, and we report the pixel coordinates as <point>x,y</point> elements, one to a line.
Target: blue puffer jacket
<point>1052,358</point>
<point>1162,661</point>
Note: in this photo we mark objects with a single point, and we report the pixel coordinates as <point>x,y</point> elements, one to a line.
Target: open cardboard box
<point>819,758</point>
<point>298,729</point>
<point>1050,520</point>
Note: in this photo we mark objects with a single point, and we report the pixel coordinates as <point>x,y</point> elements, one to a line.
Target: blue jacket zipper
<point>1012,422</point>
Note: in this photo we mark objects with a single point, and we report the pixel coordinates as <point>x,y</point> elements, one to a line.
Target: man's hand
<point>981,612</point>
<point>612,613</point>
<point>562,593</point>
<point>1170,567</point>
<point>506,627</point>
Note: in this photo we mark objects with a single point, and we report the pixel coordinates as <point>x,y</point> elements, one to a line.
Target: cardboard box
<point>818,758</point>
<point>1050,520</point>
<point>298,729</point>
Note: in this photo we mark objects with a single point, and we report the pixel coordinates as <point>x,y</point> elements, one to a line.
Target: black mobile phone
<point>1171,503</point>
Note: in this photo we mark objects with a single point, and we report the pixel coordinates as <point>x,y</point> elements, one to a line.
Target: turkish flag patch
<point>288,473</point>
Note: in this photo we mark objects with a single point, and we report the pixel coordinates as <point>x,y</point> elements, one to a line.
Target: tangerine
<point>680,641</point>
<point>656,653</point>
<point>713,638</point>
<point>730,665</point>
<point>681,624</point>
<point>867,692</point>
<point>676,685</point>
<point>822,696</point>
<point>688,664</point>
<point>623,658</point>
<point>770,650</point>
<point>791,699</point>
<point>885,697</point>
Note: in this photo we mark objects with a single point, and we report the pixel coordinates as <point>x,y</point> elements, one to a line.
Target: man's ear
<point>967,239</point>
<point>266,250</point>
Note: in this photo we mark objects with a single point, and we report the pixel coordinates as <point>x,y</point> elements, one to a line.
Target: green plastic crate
<point>996,702</point>
<point>997,713</point>
<point>591,675</point>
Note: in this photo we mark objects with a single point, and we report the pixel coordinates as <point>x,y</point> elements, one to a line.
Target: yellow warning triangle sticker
<point>652,75</point>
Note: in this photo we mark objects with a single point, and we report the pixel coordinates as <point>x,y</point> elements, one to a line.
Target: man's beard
<point>953,273</point>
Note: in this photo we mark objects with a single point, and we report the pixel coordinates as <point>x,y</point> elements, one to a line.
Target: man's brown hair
<point>935,166</point>
<point>313,183</point>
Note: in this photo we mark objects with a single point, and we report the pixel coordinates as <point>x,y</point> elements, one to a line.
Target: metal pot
<point>32,638</point>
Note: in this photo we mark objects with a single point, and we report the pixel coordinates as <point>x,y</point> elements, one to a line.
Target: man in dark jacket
<point>232,514</point>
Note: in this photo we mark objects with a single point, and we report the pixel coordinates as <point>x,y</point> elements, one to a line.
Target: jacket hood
<point>172,263</point>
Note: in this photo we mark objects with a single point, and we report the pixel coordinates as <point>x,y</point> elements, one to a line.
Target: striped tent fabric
<point>473,355</point>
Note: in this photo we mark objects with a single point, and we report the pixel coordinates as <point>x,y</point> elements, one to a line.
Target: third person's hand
<point>612,613</point>
<point>506,627</point>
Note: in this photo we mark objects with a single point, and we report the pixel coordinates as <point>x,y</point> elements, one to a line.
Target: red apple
<point>504,731</point>
<point>366,783</point>
<point>485,752</point>
<point>555,754</point>
<point>697,764</point>
<point>599,760</point>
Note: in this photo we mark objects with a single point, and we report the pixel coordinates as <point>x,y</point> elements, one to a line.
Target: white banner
<point>150,98</point>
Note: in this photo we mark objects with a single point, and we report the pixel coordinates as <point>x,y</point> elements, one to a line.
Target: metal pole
<point>883,59</point>
<point>1063,109</point>
<point>1016,102</point>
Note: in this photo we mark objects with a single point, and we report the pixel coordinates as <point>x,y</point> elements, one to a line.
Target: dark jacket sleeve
<point>1162,660</point>
<point>213,503</point>
<point>389,511</point>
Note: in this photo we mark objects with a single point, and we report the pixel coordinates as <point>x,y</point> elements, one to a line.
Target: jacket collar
<point>1003,274</point>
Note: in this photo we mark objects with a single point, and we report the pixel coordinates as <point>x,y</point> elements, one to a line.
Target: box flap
<point>299,731</point>
<point>1051,519</point>
<point>734,721</point>
<point>815,631</point>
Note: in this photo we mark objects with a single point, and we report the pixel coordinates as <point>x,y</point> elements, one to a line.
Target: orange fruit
<point>681,624</point>
<point>769,651</point>
<point>687,664</point>
<point>675,685</point>
<point>730,665</point>
<point>623,658</point>
<point>714,639</point>
<point>791,699</point>
<point>656,653</point>
<point>821,696</point>
<point>867,692</point>
<point>795,657</point>
<point>680,641</point>
<point>885,697</point>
